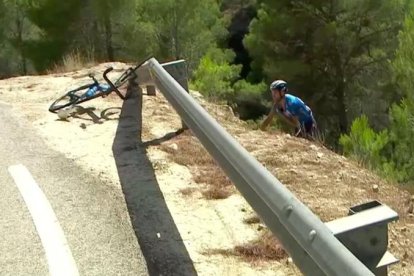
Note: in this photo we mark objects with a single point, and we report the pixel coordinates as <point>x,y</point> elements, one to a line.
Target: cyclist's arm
<point>268,119</point>
<point>292,120</point>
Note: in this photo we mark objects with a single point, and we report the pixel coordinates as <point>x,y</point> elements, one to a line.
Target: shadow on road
<point>166,137</point>
<point>158,236</point>
<point>88,114</point>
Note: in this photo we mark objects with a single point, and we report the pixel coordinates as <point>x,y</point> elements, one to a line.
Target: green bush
<point>215,75</point>
<point>244,90</point>
<point>389,151</point>
<point>364,144</point>
<point>401,133</point>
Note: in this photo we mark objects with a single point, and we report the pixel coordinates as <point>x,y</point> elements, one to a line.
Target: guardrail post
<point>178,70</point>
<point>365,233</point>
<point>151,90</point>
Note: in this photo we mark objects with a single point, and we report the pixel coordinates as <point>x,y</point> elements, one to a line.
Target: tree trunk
<point>341,105</point>
<point>176,41</point>
<point>19,38</point>
<point>108,39</point>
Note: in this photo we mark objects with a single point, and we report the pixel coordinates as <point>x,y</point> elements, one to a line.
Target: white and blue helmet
<point>279,85</point>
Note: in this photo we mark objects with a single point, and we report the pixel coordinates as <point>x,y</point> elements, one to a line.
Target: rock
<point>260,227</point>
<point>375,188</point>
<point>243,210</point>
<point>63,114</point>
<point>82,126</point>
<point>173,146</point>
<point>410,209</point>
<point>313,147</point>
<point>293,171</point>
<point>289,260</point>
<point>231,111</point>
<point>405,256</point>
<point>319,155</point>
<point>403,264</point>
<point>403,229</point>
<point>158,235</point>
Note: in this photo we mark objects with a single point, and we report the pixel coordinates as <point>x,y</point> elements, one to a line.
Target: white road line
<point>56,247</point>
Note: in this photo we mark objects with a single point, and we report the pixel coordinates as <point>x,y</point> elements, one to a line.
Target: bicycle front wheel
<point>126,76</point>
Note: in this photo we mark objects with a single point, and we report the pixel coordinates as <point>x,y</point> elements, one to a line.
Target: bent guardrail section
<point>310,243</point>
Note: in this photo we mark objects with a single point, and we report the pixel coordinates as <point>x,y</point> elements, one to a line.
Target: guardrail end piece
<point>365,233</point>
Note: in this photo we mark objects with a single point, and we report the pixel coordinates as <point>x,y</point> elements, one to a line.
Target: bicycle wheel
<point>130,73</point>
<point>70,98</point>
<point>64,101</point>
<point>126,76</point>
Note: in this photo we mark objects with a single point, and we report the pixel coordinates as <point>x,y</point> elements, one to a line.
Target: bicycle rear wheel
<point>62,102</point>
<point>70,98</point>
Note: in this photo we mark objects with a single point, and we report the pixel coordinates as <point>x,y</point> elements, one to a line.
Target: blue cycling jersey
<point>296,107</point>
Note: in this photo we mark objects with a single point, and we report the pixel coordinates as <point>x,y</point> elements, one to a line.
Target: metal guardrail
<point>310,243</point>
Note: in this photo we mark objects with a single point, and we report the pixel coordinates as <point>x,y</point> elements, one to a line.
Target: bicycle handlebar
<point>109,69</point>
<point>113,87</point>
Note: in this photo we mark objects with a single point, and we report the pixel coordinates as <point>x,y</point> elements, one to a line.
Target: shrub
<point>364,144</point>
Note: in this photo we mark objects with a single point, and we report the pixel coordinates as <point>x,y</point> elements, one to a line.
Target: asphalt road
<point>92,216</point>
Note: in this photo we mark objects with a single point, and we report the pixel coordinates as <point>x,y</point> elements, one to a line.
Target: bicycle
<point>94,90</point>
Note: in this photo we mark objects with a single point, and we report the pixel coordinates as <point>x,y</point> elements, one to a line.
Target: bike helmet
<point>279,85</point>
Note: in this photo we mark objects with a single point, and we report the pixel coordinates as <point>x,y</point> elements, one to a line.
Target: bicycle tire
<point>68,99</point>
<point>130,72</point>
<point>126,76</point>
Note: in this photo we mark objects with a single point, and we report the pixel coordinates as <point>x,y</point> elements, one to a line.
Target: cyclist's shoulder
<point>291,99</point>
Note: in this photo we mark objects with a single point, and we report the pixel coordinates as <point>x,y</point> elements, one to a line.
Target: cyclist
<point>292,109</point>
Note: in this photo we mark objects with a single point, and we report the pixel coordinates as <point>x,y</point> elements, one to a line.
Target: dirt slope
<point>328,183</point>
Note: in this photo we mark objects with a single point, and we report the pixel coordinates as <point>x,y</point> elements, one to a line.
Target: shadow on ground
<point>158,236</point>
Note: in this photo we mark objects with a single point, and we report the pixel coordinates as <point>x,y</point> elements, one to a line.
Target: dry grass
<point>190,153</point>
<point>254,219</point>
<point>265,248</point>
<point>72,62</point>
<point>217,192</point>
<point>188,191</point>
<point>271,161</point>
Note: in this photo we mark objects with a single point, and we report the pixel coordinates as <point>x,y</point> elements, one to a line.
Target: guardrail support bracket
<point>365,233</point>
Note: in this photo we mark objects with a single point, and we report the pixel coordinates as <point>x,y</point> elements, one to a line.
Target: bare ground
<point>214,231</point>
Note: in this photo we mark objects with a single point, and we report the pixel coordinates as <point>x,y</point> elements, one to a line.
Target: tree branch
<point>364,65</point>
<point>363,42</point>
